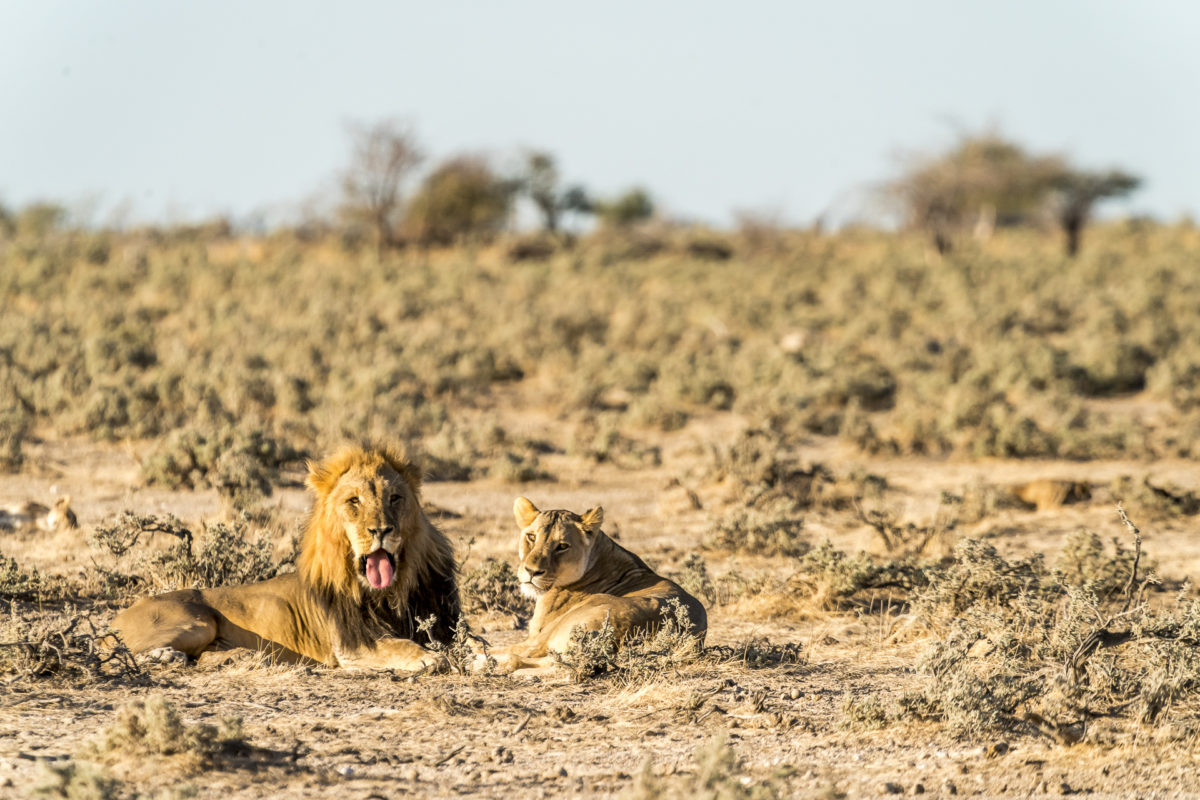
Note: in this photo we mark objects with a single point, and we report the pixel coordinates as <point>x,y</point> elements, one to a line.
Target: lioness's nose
<point>380,532</point>
<point>533,573</point>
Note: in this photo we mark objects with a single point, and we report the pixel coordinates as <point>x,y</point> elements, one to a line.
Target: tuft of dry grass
<point>718,774</point>
<point>154,728</point>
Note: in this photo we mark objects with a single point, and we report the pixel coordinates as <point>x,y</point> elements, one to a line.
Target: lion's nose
<point>381,532</point>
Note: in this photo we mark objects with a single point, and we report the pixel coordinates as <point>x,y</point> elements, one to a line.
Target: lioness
<point>581,578</point>
<point>371,567</point>
<point>35,516</point>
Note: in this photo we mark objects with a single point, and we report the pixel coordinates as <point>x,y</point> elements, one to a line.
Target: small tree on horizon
<point>541,183</point>
<point>383,156</point>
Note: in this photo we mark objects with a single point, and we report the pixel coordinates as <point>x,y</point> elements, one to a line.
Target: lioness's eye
<point>352,502</point>
<point>562,546</point>
<point>529,537</point>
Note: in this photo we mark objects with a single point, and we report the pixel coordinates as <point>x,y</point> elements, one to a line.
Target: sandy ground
<point>328,733</point>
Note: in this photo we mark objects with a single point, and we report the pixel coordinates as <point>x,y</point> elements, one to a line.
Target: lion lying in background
<point>32,516</point>
<point>371,567</point>
<point>581,579</point>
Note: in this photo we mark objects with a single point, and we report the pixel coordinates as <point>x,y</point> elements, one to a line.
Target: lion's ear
<point>320,478</point>
<point>592,520</point>
<point>399,461</point>
<point>525,512</point>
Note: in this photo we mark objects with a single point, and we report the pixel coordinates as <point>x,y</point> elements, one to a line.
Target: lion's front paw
<point>432,662</point>
<point>166,655</point>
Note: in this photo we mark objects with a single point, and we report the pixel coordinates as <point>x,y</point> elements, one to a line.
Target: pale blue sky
<point>188,109</point>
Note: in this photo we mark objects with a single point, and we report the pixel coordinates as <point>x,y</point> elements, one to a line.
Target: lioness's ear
<point>525,512</point>
<point>592,520</point>
<point>63,503</point>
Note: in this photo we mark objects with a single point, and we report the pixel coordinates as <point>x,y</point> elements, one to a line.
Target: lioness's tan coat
<point>366,526</point>
<point>582,580</point>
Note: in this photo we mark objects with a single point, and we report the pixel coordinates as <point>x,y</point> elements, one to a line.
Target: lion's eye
<point>529,537</point>
<point>395,499</point>
<point>562,546</point>
<point>352,502</point>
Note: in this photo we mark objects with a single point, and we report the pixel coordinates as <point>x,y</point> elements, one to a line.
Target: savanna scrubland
<point>892,476</point>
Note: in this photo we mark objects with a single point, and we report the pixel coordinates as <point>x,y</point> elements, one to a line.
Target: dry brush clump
<point>154,728</point>
<point>638,658</point>
<point>1021,646</point>
<point>69,647</point>
<point>773,490</point>
<point>221,554</point>
<point>21,583</point>
<point>493,588</point>
<point>180,336</point>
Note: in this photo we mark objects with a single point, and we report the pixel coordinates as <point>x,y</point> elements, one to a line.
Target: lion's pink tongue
<point>379,570</point>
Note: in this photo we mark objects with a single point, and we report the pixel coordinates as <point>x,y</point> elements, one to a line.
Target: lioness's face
<point>555,546</point>
<point>376,507</point>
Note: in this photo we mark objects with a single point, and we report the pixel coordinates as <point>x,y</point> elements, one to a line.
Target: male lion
<point>371,567</point>
<point>581,578</point>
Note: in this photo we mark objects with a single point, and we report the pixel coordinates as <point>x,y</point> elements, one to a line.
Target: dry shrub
<point>828,580</point>
<point>1156,499</point>
<point>774,530</point>
<point>639,658</point>
<point>14,427</point>
<point>154,728</point>
<point>695,580</point>
<point>239,463</point>
<point>460,453</point>
<point>760,464</point>
<point>1084,561</point>
<point>709,247</point>
<point>1019,646</point>
<point>458,652</point>
<point>69,647</point>
<point>18,583</point>
<point>775,489</point>
<point>531,247</point>
<point>907,539</point>
<point>77,780</point>
<point>602,441</point>
<point>223,554</point>
<point>494,588</point>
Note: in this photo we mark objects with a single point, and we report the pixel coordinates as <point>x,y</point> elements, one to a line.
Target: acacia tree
<point>383,156</point>
<point>985,176</point>
<point>1076,191</point>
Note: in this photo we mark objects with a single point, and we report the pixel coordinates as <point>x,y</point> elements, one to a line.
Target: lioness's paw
<point>483,663</point>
